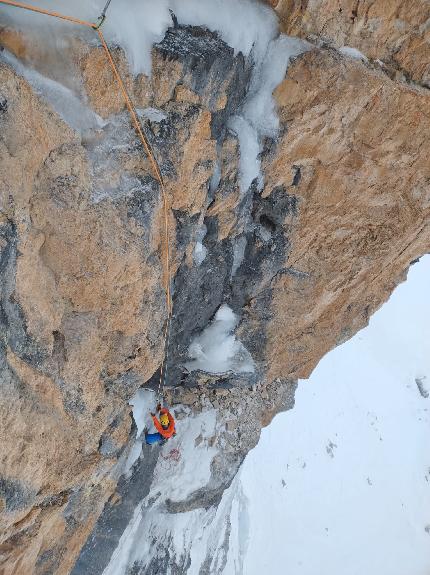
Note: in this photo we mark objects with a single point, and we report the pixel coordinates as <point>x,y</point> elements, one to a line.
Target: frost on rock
<point>216,349</point>
<point>353,53</point>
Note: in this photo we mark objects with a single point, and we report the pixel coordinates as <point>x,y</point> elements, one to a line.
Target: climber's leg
<point>152,438</point>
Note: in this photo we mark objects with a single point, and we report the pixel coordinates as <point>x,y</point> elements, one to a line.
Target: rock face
<point>393,31</point>
<point>303,261</point>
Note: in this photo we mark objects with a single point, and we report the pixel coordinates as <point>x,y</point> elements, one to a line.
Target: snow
<point>216,349</point>
<point>353,53</point>
<point>183,467</point>
<point>341,483</point>
<point>71,109</point>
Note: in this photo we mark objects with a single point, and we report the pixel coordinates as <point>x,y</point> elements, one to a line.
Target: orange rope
<point>147,148</point>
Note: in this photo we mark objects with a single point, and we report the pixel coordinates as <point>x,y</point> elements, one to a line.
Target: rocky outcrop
<point>394,32</point>
<point>359,208</point>
<point>303,260</point>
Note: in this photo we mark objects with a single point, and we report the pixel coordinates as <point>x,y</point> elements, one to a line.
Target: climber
<point>165,427</point>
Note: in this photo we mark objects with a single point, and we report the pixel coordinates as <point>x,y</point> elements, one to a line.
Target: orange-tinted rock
<point>393,31</point>
<point>358,144</point>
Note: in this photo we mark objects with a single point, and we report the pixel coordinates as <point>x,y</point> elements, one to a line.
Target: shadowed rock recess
<point>303,260</point>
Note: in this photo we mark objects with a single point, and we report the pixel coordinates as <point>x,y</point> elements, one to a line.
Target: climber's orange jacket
<point>166,433</point>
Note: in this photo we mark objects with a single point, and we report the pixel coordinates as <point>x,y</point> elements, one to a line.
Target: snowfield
<point>340,485</point>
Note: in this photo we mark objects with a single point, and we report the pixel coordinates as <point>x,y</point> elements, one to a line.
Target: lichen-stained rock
<point>354,155</point>
<point>393,31</point>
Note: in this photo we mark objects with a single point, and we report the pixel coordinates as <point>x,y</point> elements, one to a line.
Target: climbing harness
<point>148,150</point>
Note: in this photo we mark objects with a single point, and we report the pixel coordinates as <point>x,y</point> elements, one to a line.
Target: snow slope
<point>340,485</point>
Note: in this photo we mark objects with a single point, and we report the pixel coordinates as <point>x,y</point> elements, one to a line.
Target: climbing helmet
<point>164,420</point>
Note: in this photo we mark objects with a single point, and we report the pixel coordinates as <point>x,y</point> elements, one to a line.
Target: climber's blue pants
<point>152,438</point>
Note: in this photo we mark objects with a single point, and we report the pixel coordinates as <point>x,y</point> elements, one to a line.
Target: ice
<point>238,254</point>
<point>259,117</point>
<point>247,26</point>
<point>200,251</point>
<point>216,349</point>
<point>260,109</point>
<point>137,24</point>
<point>143,402</point>
<point>153,114</point>
<point>249,163</point>
<point>353,53</point>
<point>215,179</point>
<point>67,105</point>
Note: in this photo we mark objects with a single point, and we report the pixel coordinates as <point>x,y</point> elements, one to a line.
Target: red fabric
<point>166,433</point>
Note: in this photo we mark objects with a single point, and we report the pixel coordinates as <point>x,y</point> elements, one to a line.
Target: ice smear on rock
<point>67,105</point>
<point>353,53</point>
<point>216,349</point>
<point>142,402</point>
<point>239,248</point>
<point>200,251</point>
<point>152,114</point>
<point>136,25</point>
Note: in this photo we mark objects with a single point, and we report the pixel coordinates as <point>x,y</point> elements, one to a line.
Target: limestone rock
<point>393,31</point>
<point>302,262</point>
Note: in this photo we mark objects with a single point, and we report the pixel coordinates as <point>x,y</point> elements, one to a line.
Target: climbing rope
<point>148,150</point>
